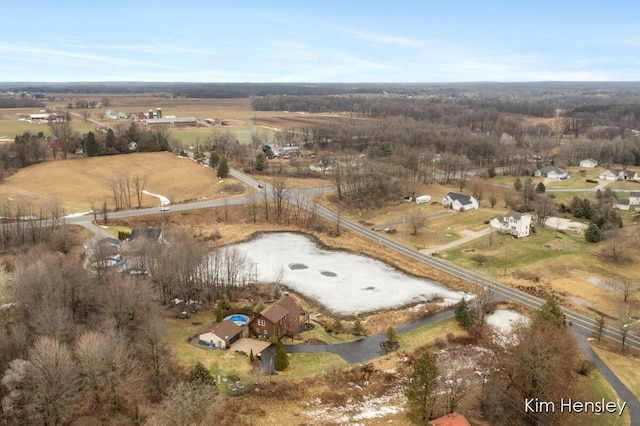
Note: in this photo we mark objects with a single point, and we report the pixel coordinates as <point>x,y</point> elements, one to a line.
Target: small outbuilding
<point>589,163</point>
<point>220,335</point>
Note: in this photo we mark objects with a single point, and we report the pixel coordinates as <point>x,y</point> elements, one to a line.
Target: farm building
<point>282,317</point>
<point>589,163</point>
<point>460,202</point>
<point>172,121</point>
<point>221,335</point>
<point>516,224</point>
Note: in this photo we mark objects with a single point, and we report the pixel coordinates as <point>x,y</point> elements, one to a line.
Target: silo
<point>150,113</point>
<point>159,112</point>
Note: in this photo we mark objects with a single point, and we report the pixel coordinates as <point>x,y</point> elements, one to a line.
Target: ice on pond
<point>345,283</point>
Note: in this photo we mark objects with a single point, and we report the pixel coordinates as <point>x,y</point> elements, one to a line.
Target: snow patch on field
<point>503,320</point>
<point>370,407</point>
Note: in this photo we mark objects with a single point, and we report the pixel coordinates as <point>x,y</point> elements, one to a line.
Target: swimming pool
<point>238,319</point>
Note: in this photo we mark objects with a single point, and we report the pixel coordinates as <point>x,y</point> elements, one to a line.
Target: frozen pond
<point>345,283</point>
<point>503,320</point>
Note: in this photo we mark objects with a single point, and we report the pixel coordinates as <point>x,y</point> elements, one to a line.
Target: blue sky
<point>322,41</point>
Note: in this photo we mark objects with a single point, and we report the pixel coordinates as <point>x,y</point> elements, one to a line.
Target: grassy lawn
<point>595,388</point>
<point>177,331</point>
<point>305,365</point>
<point>427,335</point>
<point>320,333</point>
<point>624,367</point>
<point>501,249</point>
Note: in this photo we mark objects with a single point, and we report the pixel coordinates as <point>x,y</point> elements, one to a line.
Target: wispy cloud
<point>56,54</point>
<point>382,38</point>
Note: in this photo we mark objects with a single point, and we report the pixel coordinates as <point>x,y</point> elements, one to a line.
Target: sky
<point>321,41</point>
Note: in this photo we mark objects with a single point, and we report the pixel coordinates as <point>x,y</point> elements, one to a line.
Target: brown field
<point>78,182</point>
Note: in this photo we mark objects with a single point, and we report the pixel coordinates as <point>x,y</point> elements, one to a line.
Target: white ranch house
<point>634,198</point>
<point>460,202</point>
<point>516,224</point>
<point>589,163</point>
<point>614,174</point>
<point>621,205</point>
<point>552,172</point>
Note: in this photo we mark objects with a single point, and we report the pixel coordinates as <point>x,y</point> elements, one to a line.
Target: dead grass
<point>624,366</point>
<point>77,182</point>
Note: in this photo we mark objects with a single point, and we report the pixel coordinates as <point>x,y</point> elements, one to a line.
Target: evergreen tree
<point>551,313</point>
<point>223,168</point>
<point>492,172</point>
<point>462,314</point>
<point>422,384</point>
<point>261,162</point>
<point>219,313</point>
<point>214,159</point>
<point>593,234</point>
<point>517,185</point>
<point>282,359</point>
<point>391,334</point>
<point>201,375</point>
<point>91,147</point>
<point>251,357</point>
<point>541,188</point>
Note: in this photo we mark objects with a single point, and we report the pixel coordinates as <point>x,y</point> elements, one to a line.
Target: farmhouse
<point>634,198</point>
<point>516,224</point>
<point>589,163</point>
<point>552,172</point>
<point>459,202</point>
<point>221,335</point>
<point>282,317</point>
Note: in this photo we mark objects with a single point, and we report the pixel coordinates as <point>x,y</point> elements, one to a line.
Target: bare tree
<point>544,208</point>
<point>416,221</point>
<point>139,185</point>
<point>280,196</point>
<point>64,131</point>
<point>187,404</point>
<point>494,195</point>
<point>624,323</point>
<point>53,381</point>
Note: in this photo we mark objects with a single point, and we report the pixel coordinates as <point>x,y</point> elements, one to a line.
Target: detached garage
<point>221,335</point>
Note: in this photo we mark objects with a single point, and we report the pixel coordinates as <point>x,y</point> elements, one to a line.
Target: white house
<point>459,202</point>
<point>614,174</point>
<point>516,224</point>
<point>634,198</point>
<point>627,175</point>
<point>589,163</point>
<point>608,175</point>
<point>552,172</point>
<point>621,204</point>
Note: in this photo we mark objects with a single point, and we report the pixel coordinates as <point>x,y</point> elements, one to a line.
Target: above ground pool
<point>238,319</point>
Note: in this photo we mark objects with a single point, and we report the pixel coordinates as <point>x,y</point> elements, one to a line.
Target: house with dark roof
<point>459,202</point>
<point>284,317</point>
<point>627,175</point>
<point>608,174</point>
<point>634,198</point>
<point>552,172</point>
<point>621,204</point>
<point>221,335</point>
<point>513,223</point>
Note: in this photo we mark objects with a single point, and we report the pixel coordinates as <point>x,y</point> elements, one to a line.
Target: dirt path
<point>468,236</point>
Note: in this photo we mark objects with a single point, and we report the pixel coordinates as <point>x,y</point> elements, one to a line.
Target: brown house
<point>221,335</point>
<point>282,318</point>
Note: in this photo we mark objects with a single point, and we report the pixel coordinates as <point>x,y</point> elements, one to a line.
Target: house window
<point>262,322</point>
<point>265,331</point>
